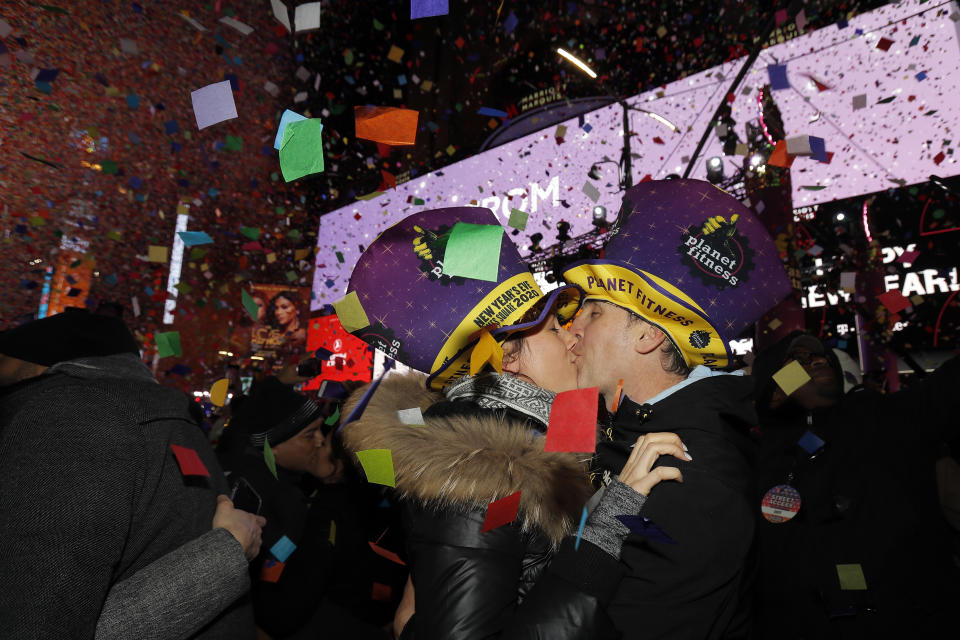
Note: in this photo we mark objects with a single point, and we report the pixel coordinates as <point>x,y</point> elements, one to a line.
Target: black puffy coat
<point>498,584</point>
<point>868,498</point>
<point>701,586</point>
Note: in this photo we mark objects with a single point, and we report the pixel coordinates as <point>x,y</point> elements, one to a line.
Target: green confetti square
<point>518,219</point>
<point>109,167</point>
<point>301,150</point>
<point>473,251</point>
<point>168,344</point>
<point>248,303</point>
<point>250,232</point>
<point>269,458</point>
<point>378,466</point>
<point>851,577</point>
<point>292,276</point>
<point>339,257</point>
<point>233,143</point>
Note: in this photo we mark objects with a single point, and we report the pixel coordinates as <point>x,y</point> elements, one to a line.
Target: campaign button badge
<point>780,504</point>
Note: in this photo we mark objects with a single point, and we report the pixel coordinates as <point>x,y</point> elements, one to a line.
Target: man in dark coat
<point>104,533</point>
<point>661,308</point>
<point>271,443</point>
<point>867,553</point>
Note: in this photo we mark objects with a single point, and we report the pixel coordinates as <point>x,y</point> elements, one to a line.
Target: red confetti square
<point>381,592</point>
<point>573,421</point>
<point>271,570</point>
<point>190,463</point>
<point>659,140</point>
<point>894,301</point>
<point>937,159</point>
<point>501,512</point>
<point>884,44</point>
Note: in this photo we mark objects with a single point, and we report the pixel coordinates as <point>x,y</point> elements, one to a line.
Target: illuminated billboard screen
<point>880,92</point>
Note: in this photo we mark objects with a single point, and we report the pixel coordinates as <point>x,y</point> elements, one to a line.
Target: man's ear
<point>647,338</point>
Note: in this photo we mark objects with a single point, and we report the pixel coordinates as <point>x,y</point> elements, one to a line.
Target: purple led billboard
<point>903,59</point>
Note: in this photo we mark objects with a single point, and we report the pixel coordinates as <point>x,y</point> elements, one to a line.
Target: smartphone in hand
<point>245,497</point>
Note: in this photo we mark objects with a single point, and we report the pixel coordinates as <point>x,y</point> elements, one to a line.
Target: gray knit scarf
<point>494,391</point>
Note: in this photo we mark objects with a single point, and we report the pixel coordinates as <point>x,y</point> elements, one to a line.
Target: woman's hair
<point>514,345</point>
<point>272,307</point>
<point>339,453</point>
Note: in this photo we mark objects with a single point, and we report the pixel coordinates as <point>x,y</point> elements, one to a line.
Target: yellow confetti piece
<point>218,392</point>
<point>791,377</point>
<point>378,466</point>
<point>157,254</point>
<point>351,313</point>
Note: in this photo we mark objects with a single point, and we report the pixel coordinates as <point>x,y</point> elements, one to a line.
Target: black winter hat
<point>75,333</point>
<point>275,411</point>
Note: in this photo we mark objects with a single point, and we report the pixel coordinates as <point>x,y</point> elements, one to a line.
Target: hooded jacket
<point>698,586</point>
<point>469,584</point>
<point>868,513</point>
<point>92,497</point>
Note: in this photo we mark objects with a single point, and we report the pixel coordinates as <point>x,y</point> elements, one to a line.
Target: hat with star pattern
<point>430,320</point>
<point>692,260</point>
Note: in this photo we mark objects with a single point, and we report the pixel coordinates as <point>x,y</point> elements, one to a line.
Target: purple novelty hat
<point>692,260</point>
<point>430,320</point>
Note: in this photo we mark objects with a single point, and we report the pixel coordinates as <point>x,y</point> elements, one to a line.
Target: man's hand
<point>428,243</point>
<point>638,473</point>
<point>243,526</point>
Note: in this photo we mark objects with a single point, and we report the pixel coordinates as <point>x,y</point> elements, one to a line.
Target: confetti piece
<point>473,251</point>
<point>779,157</point>
<point>384,553</point>
<point>157,254</point>
<point>501,512</point>
<point>893,300</point>
<point>791,377</point>
<point>333,534</point>
<point>378,466</point>
<point>269,458</point>
<point>271,571</point>
<point>282,548</point>
<point>287,117</point>
<point>194,238</point>
<point>851,577</point>
<point>778,76</point>
<point>251,306</point>
<point>810,442</point>
<point>388,125</point>
<point>168,344</point>
<point>591,191</point>
<point>213,103</point>
<point>189,461</point>
<point>243,28</point>
<point>395,54</point>
<point>859,101</point>
<point>573,421</point>
<point>411,416</point>
<point>351,313</point>
<point>583,522</point>
<point>646,528</point>
<point>518,219</point>
<point>301,151</point>
<point>428,8</point>
<point>848,281</point>
<point>306,17</point>
<point>884,44</point>
<point>218,392</point>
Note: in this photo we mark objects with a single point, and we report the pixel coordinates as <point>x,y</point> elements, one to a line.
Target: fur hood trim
<point>468,461</point>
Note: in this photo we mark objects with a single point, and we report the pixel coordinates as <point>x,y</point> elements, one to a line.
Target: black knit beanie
<point>75,333</point>
<point>275,411</point>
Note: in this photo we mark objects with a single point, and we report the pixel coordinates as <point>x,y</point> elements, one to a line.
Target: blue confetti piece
<point>586,127</point>
<point>818,147</point>
<point>47,75</point>
<point>583,522</point>
<point>194,238</point>
<point>921,76</point>
<point>495,113</point>
<point>283,548</point>
<point>171,126</point>
<point>133,101</point>
<point>810,442</point>
<point>778,76</point>
<point>287,117</point>
<point>646,528</point>
<point>428,8</point>
<point>510,23</point>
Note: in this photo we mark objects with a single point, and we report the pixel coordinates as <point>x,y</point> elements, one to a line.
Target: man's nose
<point>570,339</point>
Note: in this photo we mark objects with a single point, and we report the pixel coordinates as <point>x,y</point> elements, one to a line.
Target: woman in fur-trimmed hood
<point>481,442</point>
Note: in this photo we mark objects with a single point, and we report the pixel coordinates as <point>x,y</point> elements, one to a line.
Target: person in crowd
<point>460,442</point>
<point>660,309</point>
<point>283,315</point>
<point>109,492</point>
<point>309,560</point>
<point>860,549</point>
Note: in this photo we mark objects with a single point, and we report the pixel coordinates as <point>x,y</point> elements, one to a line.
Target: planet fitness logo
<point>716,253</point>
<point>384,339</point>
<point>430,246</point>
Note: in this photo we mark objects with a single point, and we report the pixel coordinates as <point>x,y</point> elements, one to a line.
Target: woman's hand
<point>405,609</point>
<point>639,474</point>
